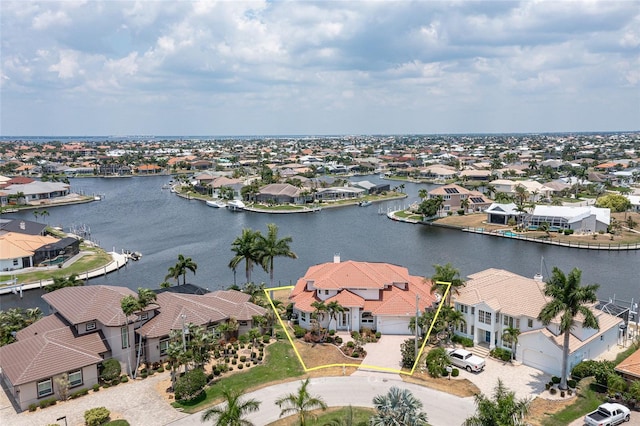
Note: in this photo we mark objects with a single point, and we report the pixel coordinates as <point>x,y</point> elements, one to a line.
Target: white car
<point>464,359</point>
<point>608,414</point>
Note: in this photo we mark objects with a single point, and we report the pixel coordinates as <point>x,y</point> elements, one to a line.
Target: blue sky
<point>326,67</point>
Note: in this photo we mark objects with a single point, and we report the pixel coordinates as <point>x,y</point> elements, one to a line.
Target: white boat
<point>364,203</point>
<point>218,204</point>
<point>236,205</point>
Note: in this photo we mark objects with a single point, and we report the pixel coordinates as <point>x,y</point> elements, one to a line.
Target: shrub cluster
<point>190,384</point>
<point>464,341</point>
<point>501,353</point>
<point>110,369</point>
<point>47,402</point>
<point>96,416</point>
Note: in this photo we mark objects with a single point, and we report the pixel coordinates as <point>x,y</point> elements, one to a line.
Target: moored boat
<point>236,205</point>
<point>218,204</point>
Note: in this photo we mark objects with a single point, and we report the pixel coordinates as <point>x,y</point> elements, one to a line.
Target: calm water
<point>137,215</point>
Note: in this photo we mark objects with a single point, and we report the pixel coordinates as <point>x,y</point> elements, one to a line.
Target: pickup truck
<point>609,414</point>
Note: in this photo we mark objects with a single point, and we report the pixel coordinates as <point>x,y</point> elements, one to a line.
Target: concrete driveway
<point>525,381</point>
<point>384,354</point>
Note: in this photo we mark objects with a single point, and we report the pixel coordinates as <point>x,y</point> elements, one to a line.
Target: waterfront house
<point>339,193</point>
<point>376,296</point>
<point>583,219</point>
<point>280,193</point>
<point>18,251</point>
<point>87,325</point>
<point>453,196</point>
<point>34,192</point>
<point>501,214</point>
<point>495,299</point>
<point>629,368</point>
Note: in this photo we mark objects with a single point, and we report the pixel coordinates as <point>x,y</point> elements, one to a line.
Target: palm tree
<point>184,264</point>
<point>333,309</point>
<point>232,411</point>
<point>174,273</point>
<point>398,407</point>
<point>503,410</point>
<point>301,403</point>
<point>465,204</point>
<point>423,193</point>
<point>454,320</point>
<point>244,247</point>
<point>131,305</point>
<point>319,307</point>
<point>568,299</point>
<point>510,335</point>
<point>446,274</point>
<point>348,419</point>
<point>269,247</point>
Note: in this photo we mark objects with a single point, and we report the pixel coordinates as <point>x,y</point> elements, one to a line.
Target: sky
<point>318,67</point>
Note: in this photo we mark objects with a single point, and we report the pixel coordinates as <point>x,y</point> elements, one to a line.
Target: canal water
<point>137,214</point>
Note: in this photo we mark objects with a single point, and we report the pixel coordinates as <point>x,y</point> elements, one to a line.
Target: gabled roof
<point>14,245</point>
<point>49,347</point>
<point>88,303</point>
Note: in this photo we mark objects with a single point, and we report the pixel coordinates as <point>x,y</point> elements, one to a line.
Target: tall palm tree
<point>301,403</point>
<point>333,309</point>
<point>503,409</point>
<point>232,411</point>
<point>510,335</point>
<point>131,305</point>
<point>398,407</point>
<point>244,247</point>
<point>269,247</point>
<point>185,264</point>
<point>174,273</point>
<point>319,308</point>
<point>446,274</point>
<point>568,299</point>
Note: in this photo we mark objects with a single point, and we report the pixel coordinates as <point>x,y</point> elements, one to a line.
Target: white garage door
<point>539,360</point>
<point>393,325</point>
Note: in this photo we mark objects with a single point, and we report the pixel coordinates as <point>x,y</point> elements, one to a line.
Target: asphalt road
<point>441,408</point>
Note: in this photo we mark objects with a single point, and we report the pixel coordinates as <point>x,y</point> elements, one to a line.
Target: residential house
<point>501,214</point>
<point>454,195</point>
<point>438,173</point>
<point>583,219</point>
<point>535,190</point>
<point>280,193</point>
<point>87,325</point>
<point>629,368</point>
<point>17,251</point>
<point>377,296</point>
<point>495,299</point>
<point>339,193</point>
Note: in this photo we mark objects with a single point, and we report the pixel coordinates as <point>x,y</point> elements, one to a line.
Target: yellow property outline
<point>371,367</point>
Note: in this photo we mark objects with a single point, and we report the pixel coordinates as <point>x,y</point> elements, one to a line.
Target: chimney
<point>336,258</point>
<point>538,277</point>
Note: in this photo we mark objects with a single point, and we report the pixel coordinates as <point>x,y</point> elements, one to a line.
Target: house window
<point>242,323</point>
<point>144,316</point>
<point>530,323</point>
<point>326,292</point>
<point>303,316</point>
<point>164,347</point>
<point>472,330</point>
<point>45,388</point>
<point>484,317</point>
<point>75,378</point>
<point>124,334</point>
<point>91,325</point>
<point>473,310</point>
<point>15,262</point>
<point>367,318</point>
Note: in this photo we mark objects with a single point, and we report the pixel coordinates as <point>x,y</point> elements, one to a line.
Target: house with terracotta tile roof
<point>378,296</point>
<point>630,367</point>
<point>87,326</point>
<point>453,196</point>
<point>494,300</point>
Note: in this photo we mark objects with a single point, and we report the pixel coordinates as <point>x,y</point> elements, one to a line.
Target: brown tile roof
<point>347,299</point>
<point>55,349</point>
<point>631,365</point>
<point>199,310</point>
<point>88,303</point>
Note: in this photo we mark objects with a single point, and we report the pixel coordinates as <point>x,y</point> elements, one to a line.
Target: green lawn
<point>587,401</point>
<point>361,415</point>
<point>281,365</point>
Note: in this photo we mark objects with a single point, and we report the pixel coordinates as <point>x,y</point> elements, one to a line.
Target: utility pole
<point>417,326</point>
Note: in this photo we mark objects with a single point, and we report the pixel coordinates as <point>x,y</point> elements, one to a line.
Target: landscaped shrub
<point>96,416</point>
<point>243,358</point>
<point>247,364</point>
<point>240,366</point>
<point>437,362</point>
<point>332,332</point>
<point>350,344</point>
<point>96,387</point>
<point>355,354</point>
<point>378,334</point>
<point>501,353</point>
<point>47,402</point>
<point>266,338</point>
<point>160,369</point>
<point>81,392</point>
<point>553,391</point>
<point>338,340</point>
<point>408,352</point>
<point>461,212</point>
<point>124,378</point>
<point>234,361</point>
<point>568,231</point>
<point>216,372</point>
<point>616,383</point>
<point>110,369</point>
<point>299,331</point>
<point>33,407</point>
<point>455,372</point>
<point>555,380</point>
<point>190,385</point>
<point>572,383</point>
<point>464,341</point>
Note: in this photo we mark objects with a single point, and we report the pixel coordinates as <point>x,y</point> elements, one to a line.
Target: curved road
<point>357,390</point>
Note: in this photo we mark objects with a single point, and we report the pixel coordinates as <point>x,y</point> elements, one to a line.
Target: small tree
<point>408,350</point>
<point>96,416</point>
<point>502,409</point>
<point>110,369</point>
<point>62,383</point>
<point>190,385</point>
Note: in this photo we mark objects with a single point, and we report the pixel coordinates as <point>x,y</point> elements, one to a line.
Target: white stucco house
<point>495,299</point>
<point>585,219</point>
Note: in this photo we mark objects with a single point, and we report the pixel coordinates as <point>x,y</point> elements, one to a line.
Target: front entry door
<point>487,336</point>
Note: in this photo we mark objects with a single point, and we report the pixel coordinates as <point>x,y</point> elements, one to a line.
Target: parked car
<point>464,359</point>
<point>609,414</point>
